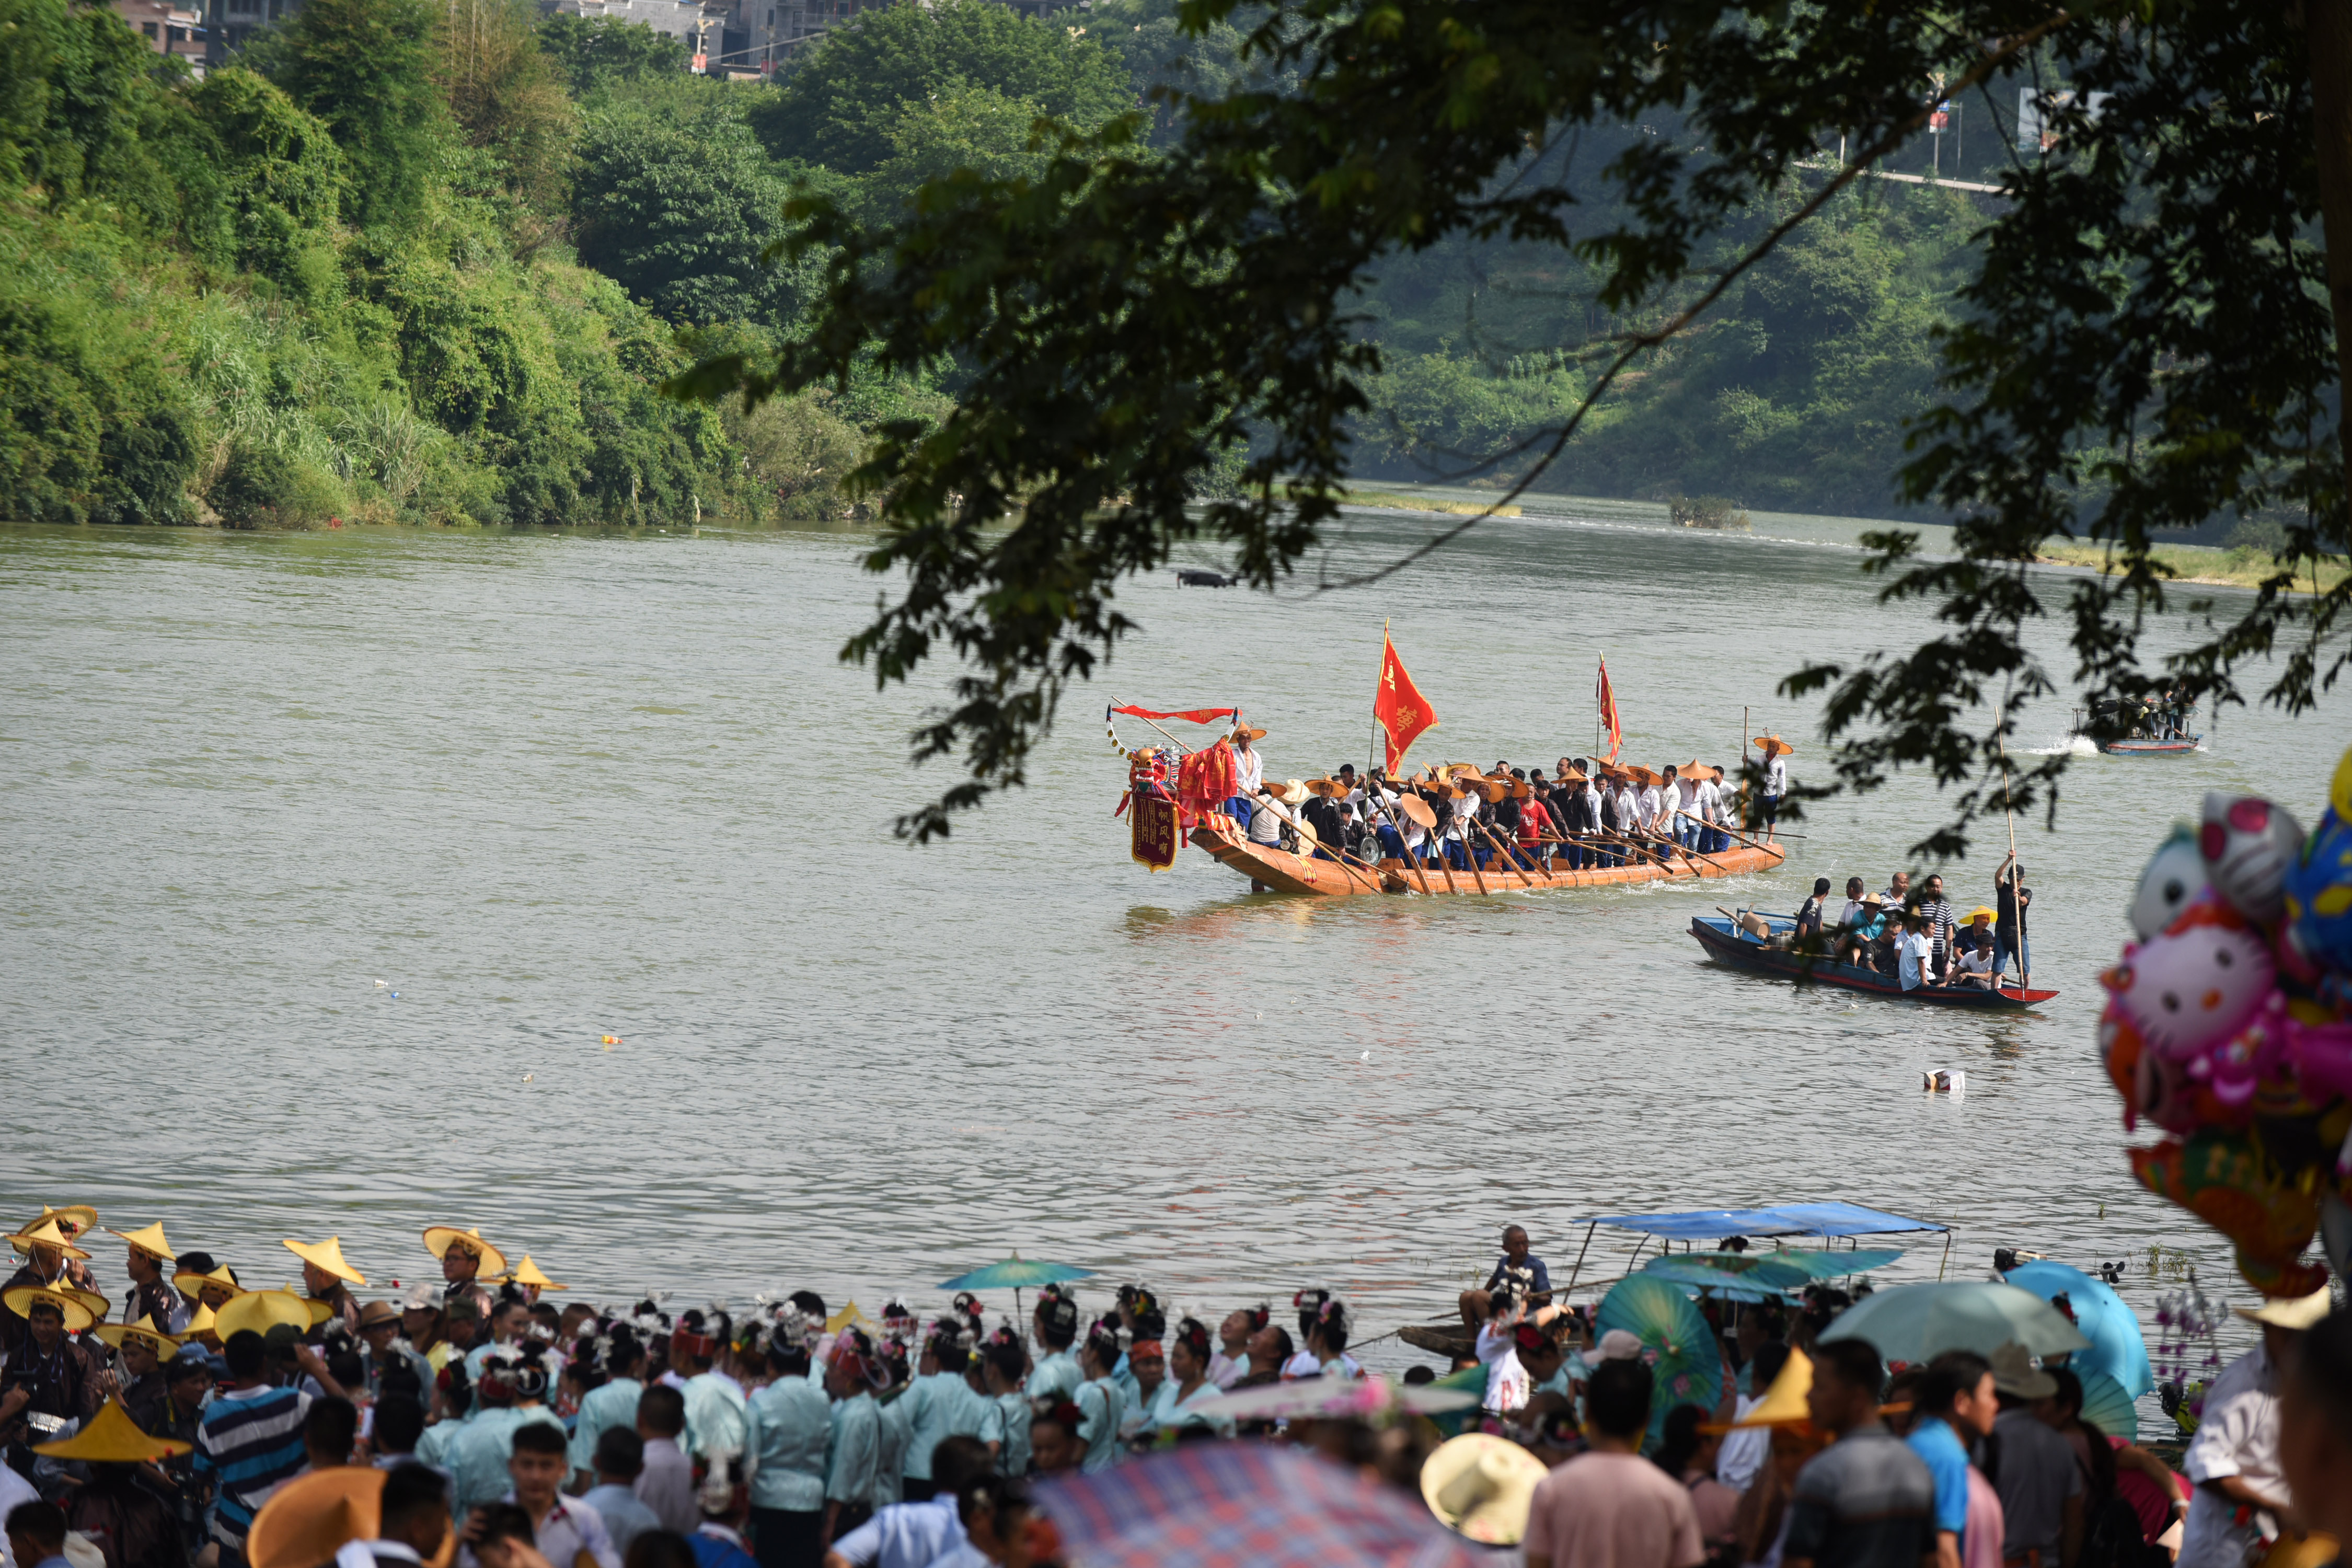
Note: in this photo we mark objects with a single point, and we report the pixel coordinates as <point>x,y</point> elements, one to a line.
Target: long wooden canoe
<point>1288,871</point>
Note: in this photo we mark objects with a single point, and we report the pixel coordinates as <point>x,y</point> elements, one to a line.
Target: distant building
<point>169,28</point>
<point>685,20</point>
<point>229,23</point>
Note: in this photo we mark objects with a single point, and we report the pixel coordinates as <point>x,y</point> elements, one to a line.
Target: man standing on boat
<point>1249,775</point>
<point>2012,901</point>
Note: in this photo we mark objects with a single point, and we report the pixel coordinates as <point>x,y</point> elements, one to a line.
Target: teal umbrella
<point>1700,1274</point>
<point>1015,1273</point>
<point>1830,1263</point>
<point>1685,1365</point>
<point>1912,1323</point>
<point>2107,1407</point>
<point>2118,1348</point>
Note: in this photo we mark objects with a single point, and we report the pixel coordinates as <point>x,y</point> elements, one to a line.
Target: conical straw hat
<point>150,1241</point>
<point>311,1518</point>
<point>1785,1401</point>
<point>438,1238</point>
<point>24,1298</point>
<point>192,1284</point>
<point>145,1329</point>
<point>261,1310</point>
<point>81,1217</point>
<point>113,1438</point>
<point>528,1273</point>
<point>46,1233</point>
<point>201,1322</point>
<point>327,1254</point>
<point>1482,1487</point>
<point>1773,743</point>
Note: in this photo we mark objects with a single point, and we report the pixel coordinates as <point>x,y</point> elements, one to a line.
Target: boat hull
<point>2152,748</point>
<point>1726,944</point>
<point>1302,876</point>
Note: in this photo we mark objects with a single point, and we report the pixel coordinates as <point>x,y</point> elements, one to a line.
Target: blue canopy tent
<point>1834,1221</point>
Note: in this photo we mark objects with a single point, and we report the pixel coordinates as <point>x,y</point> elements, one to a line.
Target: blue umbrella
<point>1676,1344</point>
<point>1016,1272</point>
<point>2119,1349</point>
<point>1699,1274</point>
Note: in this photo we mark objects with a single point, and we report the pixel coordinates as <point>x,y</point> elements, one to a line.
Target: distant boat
<point>1289,871</point>
<point>1726,944</point>
<point>2139,745</point>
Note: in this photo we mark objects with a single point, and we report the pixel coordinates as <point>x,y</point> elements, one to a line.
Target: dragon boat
<point>1278,870</point>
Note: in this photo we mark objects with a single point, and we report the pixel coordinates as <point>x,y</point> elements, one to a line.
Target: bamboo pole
<point>1505,851</point>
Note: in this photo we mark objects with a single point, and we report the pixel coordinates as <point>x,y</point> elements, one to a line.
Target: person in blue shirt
<point>854,1451</point>
<point>1100,1404</point>
<point>1956,1405</point>
<point>1057,1375</point>
<point>791,1423</point>
<point>1519,1270</point>
<point>939,1404</point>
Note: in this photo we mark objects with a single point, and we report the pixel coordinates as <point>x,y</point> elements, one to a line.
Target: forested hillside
<point>407,261</point>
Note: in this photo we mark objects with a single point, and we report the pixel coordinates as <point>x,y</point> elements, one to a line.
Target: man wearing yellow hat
<point>47,1381</point>
<point>148,1259</point>
<point>2233,1459</point>
<point>328,1278</point>
<point>49,1260</point>
<point>466,1260</point>
<point>112,1505</point>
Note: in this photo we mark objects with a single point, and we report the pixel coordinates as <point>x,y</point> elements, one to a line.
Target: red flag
<point>1616,727</point>
<point>1398,706</point>
<point>1190,715</point>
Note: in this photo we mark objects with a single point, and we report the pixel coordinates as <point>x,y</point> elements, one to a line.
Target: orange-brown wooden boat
<point>1288,871</point>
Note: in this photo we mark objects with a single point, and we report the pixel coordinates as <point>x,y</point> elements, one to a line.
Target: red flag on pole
<point>1615,726</point>
<point>1399,707</point>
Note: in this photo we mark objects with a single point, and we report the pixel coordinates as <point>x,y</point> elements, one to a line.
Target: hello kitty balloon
<point>2174,875</point>
<point>2248,844</point>
<point>2195,985</point>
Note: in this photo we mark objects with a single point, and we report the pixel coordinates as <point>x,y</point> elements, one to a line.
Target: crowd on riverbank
<point>157,1422</point>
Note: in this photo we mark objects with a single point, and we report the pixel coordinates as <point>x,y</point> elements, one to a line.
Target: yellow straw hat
<point>1773,745</point>
<point>193,1284</point>
<point>438,1238</point>
<point>96,1305</point>
<point>166,1345</point>
<point>44,1233</point>
<point>319,1309</point>
<point>81,1217</point>
<point>528,1273</point>
<point>1785,1401</point>
<point>261,1310</point>
<point>1482,1487</point>
<point>24,1298</point>
<point>113,1438</point>
<point>2297,1312</point>
<point>201,1322</point>
<point>327,1254</point>
<point>149,1241</point>
<point>311,1518</point>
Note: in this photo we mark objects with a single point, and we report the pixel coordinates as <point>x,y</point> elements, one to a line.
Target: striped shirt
<point>251,1441</point>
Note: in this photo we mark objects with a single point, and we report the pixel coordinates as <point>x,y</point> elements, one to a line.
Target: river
<point>551,788</point>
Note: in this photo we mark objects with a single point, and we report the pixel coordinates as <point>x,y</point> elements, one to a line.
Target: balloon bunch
<point>2229,1025</point>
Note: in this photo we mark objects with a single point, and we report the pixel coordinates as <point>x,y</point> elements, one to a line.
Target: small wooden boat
<point>1726,944</point>
<point>1449,1339</point>
<point>1289,871</point>
<point>2142,745</point>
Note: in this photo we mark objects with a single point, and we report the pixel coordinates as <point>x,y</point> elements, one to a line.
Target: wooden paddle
<point>1504,850</point>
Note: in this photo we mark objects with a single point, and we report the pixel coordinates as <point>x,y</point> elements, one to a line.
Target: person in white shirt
<point>1776,784</point>
<point>1852,914</point>
<point>2233,1459</point>
<point>1915,953</point>
<point>1266,821</point>
<point>1706,808</point>
<point>1507,1385</point>
<point>1629,816</point>
<point>1249,777</point>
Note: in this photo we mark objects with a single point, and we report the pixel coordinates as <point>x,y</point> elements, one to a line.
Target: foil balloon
<point>2248,844</point>
<point>2173,875</point>
<point>2319,893</point>
<point>2223,1179</point>
<point>2194,986</point>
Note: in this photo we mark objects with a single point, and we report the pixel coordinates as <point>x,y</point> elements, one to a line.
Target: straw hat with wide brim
<point>44,1233</point>
<point>112,1437</point>
<point>1243,730</point>
<point>192,1284</point>
<point>2296,1312</point>
<point>150,1241</point>
<point>327,1254</point>
<point>311,1518</point>
<point>528,1273</point>
<point>1292,792</point>
<point>1982,912</point>
<point>25,1298</point>
<point>201,1322</point>
<point>318,1309</point>
<point>1785,1403</point>
<point>438,1238</point>
<point>80,1217</point>
<point>95,1304</point>
<point>146,1331</point>
<point>261,1310</point>
<point>1482,1487</point>
<point>1772,745</point>
<point>1418,810</point>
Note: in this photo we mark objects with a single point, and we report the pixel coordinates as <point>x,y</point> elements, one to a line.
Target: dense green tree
<point>675,197</point>
<point>842,104</point>
<point>960,127</point>
<point>367,68</point>
<point>507,95</point>
<point>284,181</point>
<point>594,52</point>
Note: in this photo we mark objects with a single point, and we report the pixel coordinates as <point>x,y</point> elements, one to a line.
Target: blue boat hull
<point>1726,944</point>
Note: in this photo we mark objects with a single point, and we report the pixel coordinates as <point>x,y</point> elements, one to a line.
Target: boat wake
<point>2071,746</point>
